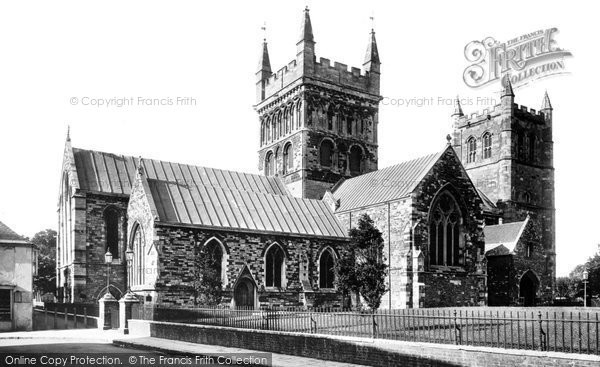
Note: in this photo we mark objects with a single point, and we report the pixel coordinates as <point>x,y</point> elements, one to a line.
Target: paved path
<point>175,347</point>
<point>97,341</point>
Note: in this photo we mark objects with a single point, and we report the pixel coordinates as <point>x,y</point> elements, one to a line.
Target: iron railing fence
<point>545,329</point>
<point>91,309</point>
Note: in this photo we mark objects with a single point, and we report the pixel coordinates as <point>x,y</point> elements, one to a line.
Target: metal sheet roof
<point>507,235</point>
<point>114,174</point>
<point>193,195</point>
<point>390,183</point>
<point>192,201</point>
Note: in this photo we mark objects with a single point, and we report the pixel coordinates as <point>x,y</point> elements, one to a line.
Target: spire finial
<point>372,54</point>
<point>372,19</point>
<point>457,107</point>
<point>306,33</point>
<point>449,139</point>
<point>264,64</point>
<point>507,89</point>
<point>546,105</point>
<point>68,132</point>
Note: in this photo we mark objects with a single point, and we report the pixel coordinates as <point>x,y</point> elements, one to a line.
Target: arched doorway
<point>244,293</point>
<point>528,288</point>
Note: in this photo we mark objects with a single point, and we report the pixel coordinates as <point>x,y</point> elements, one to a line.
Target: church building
<point>273,238</point>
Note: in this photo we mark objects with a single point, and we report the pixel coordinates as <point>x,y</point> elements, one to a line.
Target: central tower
<point>318,122</point>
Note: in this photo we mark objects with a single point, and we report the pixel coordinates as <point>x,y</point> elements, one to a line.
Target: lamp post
<point>129,258</point>
<point>108,257</point>
<point>584,276</point>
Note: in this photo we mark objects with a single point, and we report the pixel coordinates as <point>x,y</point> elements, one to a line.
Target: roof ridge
<point>520,222</point>
<point>7,233</point>
<point>173,162</point>
<point>396,165</point>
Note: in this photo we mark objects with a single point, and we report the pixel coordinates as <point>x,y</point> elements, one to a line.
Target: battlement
<point>338,73</point>
<point>520,110</point>
<point>342,74</point>
<point>480,115</point>
<point>525,109</point>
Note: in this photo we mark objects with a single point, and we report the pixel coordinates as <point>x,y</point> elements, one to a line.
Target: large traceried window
<point>445,230</point>
<point>487,145</point>
<point>471,150</point>
<point>111,225</point>
<point>326,269</point>
<point>274,266</point>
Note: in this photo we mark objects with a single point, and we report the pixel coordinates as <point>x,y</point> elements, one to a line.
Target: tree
<point>566,287</point>
<point>592,265</point>
<point>361,268</point>
<point>45,280</point>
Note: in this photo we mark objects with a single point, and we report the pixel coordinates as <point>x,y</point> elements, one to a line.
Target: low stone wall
<point>369,352</point>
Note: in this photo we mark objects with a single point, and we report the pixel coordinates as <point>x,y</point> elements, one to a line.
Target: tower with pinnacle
<point>508,153</point>
<point>318,120</point>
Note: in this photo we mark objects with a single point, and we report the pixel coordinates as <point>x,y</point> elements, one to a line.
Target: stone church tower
<point>508,153</point>
<point>318,122</point>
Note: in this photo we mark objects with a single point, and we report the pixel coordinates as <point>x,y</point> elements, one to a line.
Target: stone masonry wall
<point>96,274</point>
<point>463,285</point>
<point>179,247</point>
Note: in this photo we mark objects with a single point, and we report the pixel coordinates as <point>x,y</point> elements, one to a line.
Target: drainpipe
<point>389,259</point>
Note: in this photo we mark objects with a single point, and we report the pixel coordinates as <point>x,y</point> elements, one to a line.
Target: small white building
<point>17,268</point>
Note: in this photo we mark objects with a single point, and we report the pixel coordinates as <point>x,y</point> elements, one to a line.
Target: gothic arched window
<point>326,269</point>
<point>269,164</point>
<point>487,145</point>
<point>111,227</point>
<point>274,266</point>
<point>445,227</point>
<point>138,265</point>
<point>326,153</point>
<point>471,150</point>
<point>355,159</point>
<point>288,158</point>
<point>214,257</point>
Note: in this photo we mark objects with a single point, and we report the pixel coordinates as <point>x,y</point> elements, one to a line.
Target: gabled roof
<point>114,174</point>
<point>200,196</point>
<point>488,204</point>
<point>390,183</point>
<point>8,235</point>
<point>506,235</point>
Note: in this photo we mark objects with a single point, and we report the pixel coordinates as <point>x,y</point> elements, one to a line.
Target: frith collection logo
<point>526,58</point>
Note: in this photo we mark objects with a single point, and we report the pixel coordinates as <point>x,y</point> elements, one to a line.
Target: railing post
<point>66,320</point>
<point>457,331</point>
<point>543,337</point>
<point>75,316</point>
<point>54,325</point>
<point>45,318</point>
<point>85,323</point>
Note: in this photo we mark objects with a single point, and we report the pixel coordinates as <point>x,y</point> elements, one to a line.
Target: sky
<point>60,60</point>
